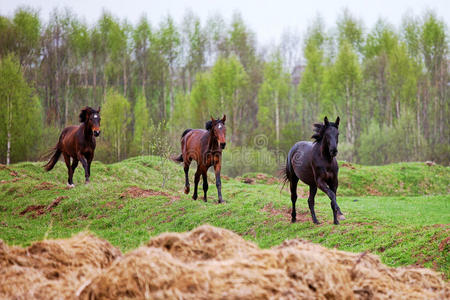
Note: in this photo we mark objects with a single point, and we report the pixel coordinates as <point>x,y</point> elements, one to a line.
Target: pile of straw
<point>205,263</point>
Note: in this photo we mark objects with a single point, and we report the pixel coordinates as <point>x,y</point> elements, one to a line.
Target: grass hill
<point>400,212</point>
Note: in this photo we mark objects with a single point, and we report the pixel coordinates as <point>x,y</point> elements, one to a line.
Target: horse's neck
<point>324,151</point>
<point>86,131</point>
<point>212,141</point>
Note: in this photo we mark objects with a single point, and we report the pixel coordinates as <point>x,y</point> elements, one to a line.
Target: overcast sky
<point>267,18</point>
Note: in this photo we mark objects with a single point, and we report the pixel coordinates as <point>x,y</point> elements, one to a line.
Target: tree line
<point>389,85</point>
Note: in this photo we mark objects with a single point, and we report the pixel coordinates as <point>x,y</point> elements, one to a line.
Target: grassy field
<point>400,212</point>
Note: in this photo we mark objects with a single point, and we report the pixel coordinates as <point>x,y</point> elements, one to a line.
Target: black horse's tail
<point>55,153</point>
<point>286,171</point>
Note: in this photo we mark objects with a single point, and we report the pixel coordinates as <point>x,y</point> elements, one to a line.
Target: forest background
<point>388,84</point>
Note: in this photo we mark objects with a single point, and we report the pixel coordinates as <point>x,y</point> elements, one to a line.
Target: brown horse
<point>78,142</point>
<point>205,147</point>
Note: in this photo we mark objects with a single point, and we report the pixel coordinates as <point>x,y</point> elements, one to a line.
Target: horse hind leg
<point>293,187</point>
<point>69,170</point>
<point>186,174</point>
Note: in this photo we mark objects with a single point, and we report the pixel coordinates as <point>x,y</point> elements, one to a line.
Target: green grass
<point>408,224</point>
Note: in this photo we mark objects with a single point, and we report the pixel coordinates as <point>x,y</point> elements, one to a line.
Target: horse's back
<point>192,143</point>
<point>67,140</point>
<point>300,158</point>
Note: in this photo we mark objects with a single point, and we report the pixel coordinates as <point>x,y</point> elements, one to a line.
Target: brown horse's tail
<point>178,159</point>
<point>55,154</point>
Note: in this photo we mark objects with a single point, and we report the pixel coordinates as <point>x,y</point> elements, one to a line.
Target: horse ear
<point>83,115</point>
<point>325,121</point>
<point>337,122</point>
<point>213,120</point>
<point>98,110</point>
<point>224,118</point>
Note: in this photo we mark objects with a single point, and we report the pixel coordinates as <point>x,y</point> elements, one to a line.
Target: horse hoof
<point>341,217</point>
<point>336,222</point>
<point>186,189</point>
<point>316,222</point>
<point>194,197</point>
<point>293,220</point>
<point>70,186</point>
<point>205,199</point>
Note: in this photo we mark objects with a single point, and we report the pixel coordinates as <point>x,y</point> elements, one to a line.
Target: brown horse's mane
<point>319,130</point>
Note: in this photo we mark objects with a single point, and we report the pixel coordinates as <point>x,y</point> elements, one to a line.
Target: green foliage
<point>386,144</point>
<point>187,71</point>
<point>20,114</point>
<point>273,98</point>
<point>237,161</point>
<point>141,118</point>
<point>115,119</point>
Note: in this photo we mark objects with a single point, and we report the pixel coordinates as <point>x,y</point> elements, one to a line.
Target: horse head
<point>218,130</point>
<point>328,133</point>
<point>91,118</point>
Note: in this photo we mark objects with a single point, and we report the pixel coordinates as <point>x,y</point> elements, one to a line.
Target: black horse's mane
<point>319,130</point>
<point>208,124</point>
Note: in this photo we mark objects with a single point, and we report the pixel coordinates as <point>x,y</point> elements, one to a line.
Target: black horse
<point>315,164</point>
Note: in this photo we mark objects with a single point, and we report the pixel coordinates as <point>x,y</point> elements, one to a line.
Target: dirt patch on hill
<point>302,216</point>
<point>45,186</point>
<point>205,263</point>
<point>37,210</point>
<point>137,192</point>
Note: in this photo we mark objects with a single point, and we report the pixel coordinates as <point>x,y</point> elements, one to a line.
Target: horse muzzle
<point>333,152</point>
<point>96,132</point>
<point>222,145</point>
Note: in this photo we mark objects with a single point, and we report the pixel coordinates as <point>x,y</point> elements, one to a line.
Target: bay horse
<point>315,164</point>
<point>78,143</point>
<point>205,147</point>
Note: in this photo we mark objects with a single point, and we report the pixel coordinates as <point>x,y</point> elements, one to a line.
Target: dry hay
<point>52,268</point>
<point>206,263</point>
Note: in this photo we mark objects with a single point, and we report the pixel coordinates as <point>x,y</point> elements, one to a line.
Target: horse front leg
<point>205,185</point>
<point>85,165</point>
<point>321,184</point>
<point>217,167</point>
<point>333,186</point>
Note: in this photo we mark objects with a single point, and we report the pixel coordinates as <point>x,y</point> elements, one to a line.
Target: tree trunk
<point>8,147</point>
<point>66,100</point>
<point>124,77</point>
<point>277,118</point>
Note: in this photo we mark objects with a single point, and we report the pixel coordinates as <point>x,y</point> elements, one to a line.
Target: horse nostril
<point>222,145</point>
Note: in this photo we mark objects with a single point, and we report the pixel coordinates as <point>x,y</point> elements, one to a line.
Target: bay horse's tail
<point>179,159</point>
<point>185,132</point>
<point>55,154</point>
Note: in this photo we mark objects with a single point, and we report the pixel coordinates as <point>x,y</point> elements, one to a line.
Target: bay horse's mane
<point>208,124</point>
<point>319,130</point>
<point>85,111</point>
